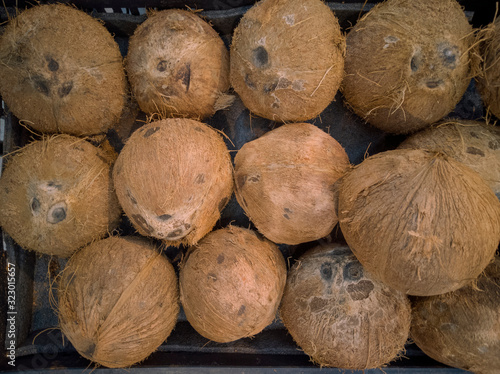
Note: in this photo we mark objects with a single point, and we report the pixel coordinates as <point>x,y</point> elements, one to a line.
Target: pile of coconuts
<point>352,260</point>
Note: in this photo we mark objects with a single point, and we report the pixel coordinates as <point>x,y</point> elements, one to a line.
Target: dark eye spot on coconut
<point>353,271</point>
<point>165,217</point>
<point>249,82</point>
<point>199,129</point>
<point>449,56</point>
<point>270,87</point>
<point>150,132</point>
<point>287,212</point>
<point>53,185</point>
<point>434,83</point>
<point>200,179</point>
<point>241,180</point>
<point>162,66</point>
<point>260,57</point>
<point>53,65</point>
<point>222,203</point>
<point>493,144</point>
<point>475,151</point>
<point>89,351</point>
<point>414,63</point>
<point>65,89</point>
<point>35,205</point>
<point>286,216</point>
<point>184,75</point>
<point>41,85</point>
<point>241,310</point>
<point>326,271</point>
<point>131,197</point>
<point>275,105</point>
<point>174,233</point>
<point>474,135</point>
<point>254,178</point>
<point>212,276</point>
<point>360,290</point>
<point>142,223</point>
<point>220,259</point>
<point>56,215</point>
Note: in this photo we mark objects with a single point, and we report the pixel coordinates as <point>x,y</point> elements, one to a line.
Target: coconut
<point>285,182</point>
<point>231,284</point>
<point>287,59</point>
<point>118,301</point>
<point>462,328</point>
<point>473,143</point>
<point>419,221</point>
<point>407,63</point>
<point>172,178</point>
<point>62,71</point>
<point>339,315</point>
<point>56,195</point>
<point>177,65</point>
<point>488,81</point>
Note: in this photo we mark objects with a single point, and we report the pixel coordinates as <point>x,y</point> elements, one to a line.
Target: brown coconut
<point>419,221</point>
<point>231,284</point>
<point>462,328</point>
<point>473,143</point>
<point>339,315</point>
<point>177,65</point>
<point>287,59</point>
<point>61,71</point>
<point>488,80</point>
<point>56,195</point>
<point>285,182</point>
<point>118,301</point>
<point>407,63</point>
<point>172,178</point>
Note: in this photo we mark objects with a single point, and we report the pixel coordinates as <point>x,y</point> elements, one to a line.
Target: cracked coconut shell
<point>339,315</point>
<point>462,328</point>
<point>231,284</point>
<point>419,221</point>
<point>61,71</point>
<point>177,65</point>
<point>173,178</point>
<point>118,301</point>
<point>285,181</point>
<point>473,143</point>
<point>287,59</point>
<point>407,63</point>
<point>56,195</point>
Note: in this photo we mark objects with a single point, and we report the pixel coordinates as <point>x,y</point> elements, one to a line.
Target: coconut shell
<point>419,221</point>
<point>172,178</point>
<point>287,59</point>
<point>407,63</point>
<point>462,328</point>
<point>177,65</point>
<point>62,71</point>
<point>56,195</point>
<point>473,143</point>
<point>339,315</point>
<point>231,284</point>
<point>285,182</point>
<point>118,301</point>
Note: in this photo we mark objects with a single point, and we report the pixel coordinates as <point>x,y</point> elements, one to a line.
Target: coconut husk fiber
<point>462,328</point>
<point>61,71</point>
<point>287,59</point>
<point>172,178</point>
<point>231,284</point>
<point>177,65</point>
<point>285,182</point>
<point>474,143</point>
<point>419,221</point>
<point>407,63</point>
<point>118,301</point>
<point>56,195</point>
<point>341,316</point>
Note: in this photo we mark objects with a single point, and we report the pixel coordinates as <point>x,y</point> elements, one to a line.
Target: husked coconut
<point>61,71</point>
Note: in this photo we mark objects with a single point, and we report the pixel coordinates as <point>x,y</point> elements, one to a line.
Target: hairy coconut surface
<point>118,301</point>
<point>231,284</point>
<point>56,195</point>
<point>285,182</point>
<point>339,315</point>
<point>177,65</point>
<point>488,81</point>
<point>172,178</point>
<point>462,328</point>
<point>61,71</point>
<point>408,63</point>
<point>473,143</point>
<point>287,59</point>
<point>419,221</point>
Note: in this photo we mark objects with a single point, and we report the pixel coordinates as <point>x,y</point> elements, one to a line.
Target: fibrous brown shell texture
<point>287,59</point>
<point>56,195</point>
<point>285,181</point>
<point>118,301</point>
<point>341,316</point>
<point>408,63</point>
<point>419,221</point>
<point>172,178</point>
<point>178,65</point>
<point>61,71</point>
<point>462,328</point>
<point>231,284</point>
